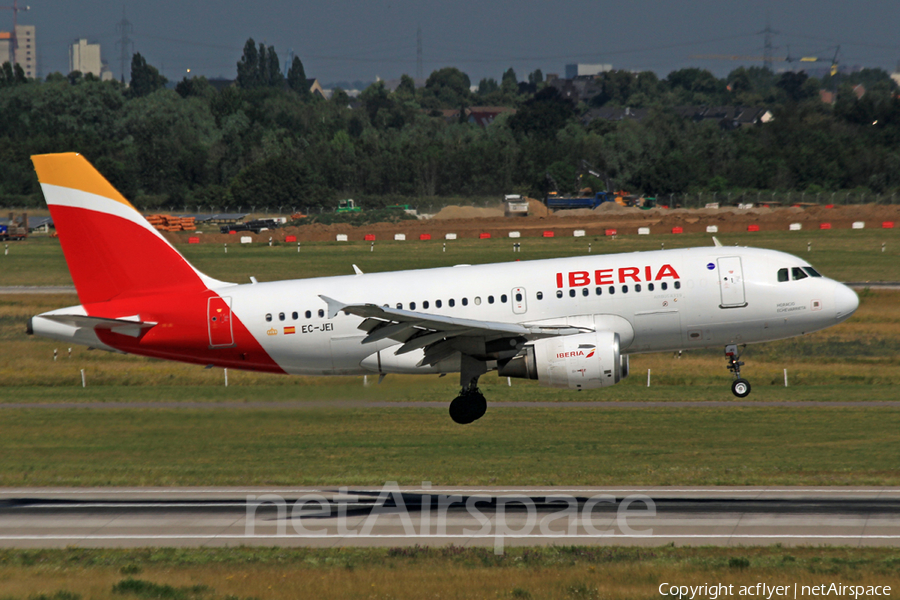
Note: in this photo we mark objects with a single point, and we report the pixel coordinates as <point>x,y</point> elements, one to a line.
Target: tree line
<point>266,140</point>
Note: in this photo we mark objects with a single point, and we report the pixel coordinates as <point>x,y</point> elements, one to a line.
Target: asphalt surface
<point>434,516</point>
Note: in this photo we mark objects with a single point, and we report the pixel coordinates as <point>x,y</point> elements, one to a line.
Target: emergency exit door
<point>218,319</point>
<point>731,282</point>
<point>519,304</point>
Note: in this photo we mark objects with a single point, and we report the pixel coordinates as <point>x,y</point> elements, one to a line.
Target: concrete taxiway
<point>404,516</point>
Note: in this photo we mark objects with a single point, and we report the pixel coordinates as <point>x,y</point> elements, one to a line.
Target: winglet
<point>716,242</point>
<point>334,306</point>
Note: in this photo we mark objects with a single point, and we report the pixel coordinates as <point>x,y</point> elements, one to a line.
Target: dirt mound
<point>468,212</point>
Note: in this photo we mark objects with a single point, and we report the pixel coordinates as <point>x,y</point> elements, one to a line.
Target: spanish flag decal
<point>289,330</point>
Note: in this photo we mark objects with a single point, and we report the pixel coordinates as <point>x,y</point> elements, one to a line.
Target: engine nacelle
<point>583,362</point>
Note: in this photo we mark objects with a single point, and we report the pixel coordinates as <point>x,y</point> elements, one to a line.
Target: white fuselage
<point>700,297</point>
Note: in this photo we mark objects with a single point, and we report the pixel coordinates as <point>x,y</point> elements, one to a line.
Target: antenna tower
<point>15,8</point>
<point>419,73</point>
<point>768,32</point>
<point>125,43</point>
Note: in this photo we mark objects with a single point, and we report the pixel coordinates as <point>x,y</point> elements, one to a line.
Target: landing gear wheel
<point>468,407</point>
<point>740,388</point>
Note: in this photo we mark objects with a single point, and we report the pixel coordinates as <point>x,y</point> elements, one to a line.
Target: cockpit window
<point>783,275</point>
<point>812,272</point>
<point>797,273</point>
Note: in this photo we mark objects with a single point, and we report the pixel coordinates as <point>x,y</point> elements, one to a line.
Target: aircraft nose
<point>845,301</point>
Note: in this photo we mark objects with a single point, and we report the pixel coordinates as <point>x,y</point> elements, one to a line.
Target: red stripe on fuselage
<point>181,332</point>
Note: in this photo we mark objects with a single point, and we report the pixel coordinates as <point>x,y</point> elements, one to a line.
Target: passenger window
<point>637,287</point>
<point>797,273</point>
<point>624,289</point>
<point>269,317</point>
<point>612,289</point>
<point>490,299</point>
<point>281,316</point>
<point>308,314</point>
<point>425,304</point>
<point>599,291</point>
<point>664,286</point>
<point>572,293</point>
<point>321,312</point>
<point>540,295</point>
<point>294,315</point>
<point>782,275</point>
<point>585,291</point>
<point>465,301</point>
<point>477,300</point>
<point>399,306</point>
<point>451,302</point>
<point>412,306</point>
<point>503,299</point>
<point>437,303</point>
<point>559,293</point>
<point>518,297</point>
<point>649,287</point>
<point>677,285</point>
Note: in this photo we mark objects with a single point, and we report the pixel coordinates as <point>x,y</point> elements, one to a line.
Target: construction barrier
<point>578,233</point>
<point>712,229</point>
<point>515,234</point>
<point>859,225</point>
<point>824,225</point>
<point>341,237</point>
<point>795,226</point>
<point>753,227</point>
<point>369,237</point>
<point>829,206</point>
<point>290,238</point>
<point>399,237</point>
<point>484,236</point>
<point>887,225</point>
<point>609,232</point>
<point>643,231</point>
<point>678,230</point>
<point>450,236</point>
<point>548,234</point>
<point>193,240</point>
<point>424,237</point>
<point>246,239</point>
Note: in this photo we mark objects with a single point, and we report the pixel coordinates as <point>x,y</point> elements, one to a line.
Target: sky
<point>342,40</point>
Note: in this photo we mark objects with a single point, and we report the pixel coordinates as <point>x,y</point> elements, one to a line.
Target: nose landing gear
<point>740,387</point>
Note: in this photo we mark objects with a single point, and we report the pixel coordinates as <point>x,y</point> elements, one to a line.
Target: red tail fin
<point>111,250</point>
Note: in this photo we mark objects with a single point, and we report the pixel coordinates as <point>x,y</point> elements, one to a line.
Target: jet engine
<point>584,361</point>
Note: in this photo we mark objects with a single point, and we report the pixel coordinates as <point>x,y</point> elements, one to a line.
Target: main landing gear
<point>470,405</point>
<point>740,387</point>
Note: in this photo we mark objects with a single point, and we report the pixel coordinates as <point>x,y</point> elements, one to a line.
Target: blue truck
<point>556,202</point>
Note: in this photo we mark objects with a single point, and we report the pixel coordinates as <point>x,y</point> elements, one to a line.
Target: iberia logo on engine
<point>575,354</point>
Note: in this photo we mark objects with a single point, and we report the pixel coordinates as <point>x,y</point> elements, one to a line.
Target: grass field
<point>576,573</point>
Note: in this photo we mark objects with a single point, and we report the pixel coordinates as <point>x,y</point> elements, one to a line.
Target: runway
<point>436,516</point>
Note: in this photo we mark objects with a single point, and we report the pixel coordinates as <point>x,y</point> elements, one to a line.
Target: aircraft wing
<point>441,336</point>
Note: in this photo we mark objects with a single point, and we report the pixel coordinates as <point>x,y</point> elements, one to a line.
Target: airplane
<point>565,322</point>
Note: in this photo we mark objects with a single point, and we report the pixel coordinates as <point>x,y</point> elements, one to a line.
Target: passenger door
<point>731,282</point>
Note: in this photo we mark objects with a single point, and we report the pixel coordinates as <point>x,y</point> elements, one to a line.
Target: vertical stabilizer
<point>111,250</point>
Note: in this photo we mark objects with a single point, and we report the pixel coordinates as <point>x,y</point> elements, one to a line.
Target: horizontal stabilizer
<point>130,326</point>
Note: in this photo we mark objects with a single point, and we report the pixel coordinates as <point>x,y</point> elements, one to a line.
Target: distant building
<point>579,70</point>
<point>25,55</point>
<point>727,117</point>
<point>85,57</point>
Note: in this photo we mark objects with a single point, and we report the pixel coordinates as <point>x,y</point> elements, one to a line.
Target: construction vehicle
<point>254,226</point>
<point>348,206</point>
<point>15,229</point>
<point>586,198</point>
<point>515,205</point>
